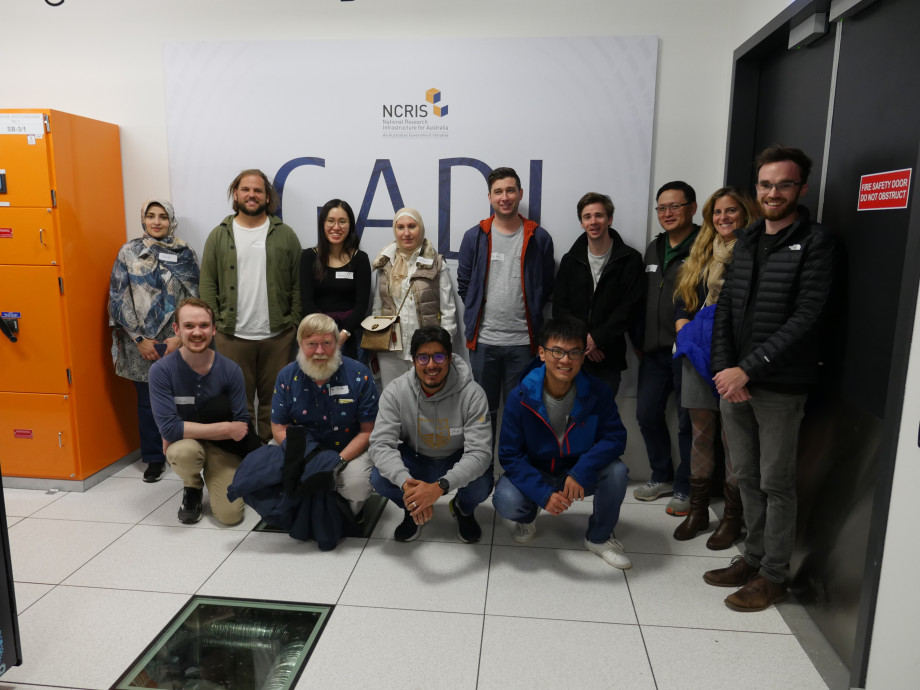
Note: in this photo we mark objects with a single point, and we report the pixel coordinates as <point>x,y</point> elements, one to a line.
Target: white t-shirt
<point>597,263</point>
<point>251,286</point>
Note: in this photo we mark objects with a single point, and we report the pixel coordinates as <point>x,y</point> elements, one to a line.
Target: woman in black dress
<point>335,276</point>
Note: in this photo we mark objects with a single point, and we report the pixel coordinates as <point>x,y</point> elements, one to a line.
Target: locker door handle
<point>41,236</point>
<point>60,442</point>
<point>7,331</point>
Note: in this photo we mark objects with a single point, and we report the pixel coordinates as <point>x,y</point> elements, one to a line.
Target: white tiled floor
<point>99,574</point>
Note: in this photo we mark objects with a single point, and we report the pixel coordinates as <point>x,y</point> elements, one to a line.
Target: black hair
<point>564,328</point>
<point>680,186</point>
<point>430,334</point>
<point>501,174</point>
<point>778,153</point>
<point>349,246</point>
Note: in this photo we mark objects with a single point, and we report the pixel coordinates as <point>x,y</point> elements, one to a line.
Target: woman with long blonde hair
<point>698,285</point>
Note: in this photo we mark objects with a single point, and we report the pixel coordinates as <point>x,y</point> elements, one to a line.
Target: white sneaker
<point>524,532</point>
<point>611,551</point>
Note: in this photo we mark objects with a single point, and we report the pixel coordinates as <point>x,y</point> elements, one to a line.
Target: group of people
<point>730,331</point>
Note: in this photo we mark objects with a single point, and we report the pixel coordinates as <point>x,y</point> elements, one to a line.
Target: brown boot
<point>757,595</point>
<point>736,575</point>
<point>697,519</point>
<point>729,529</point>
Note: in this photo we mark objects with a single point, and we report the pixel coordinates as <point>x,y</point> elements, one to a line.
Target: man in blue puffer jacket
<point>561,440</point>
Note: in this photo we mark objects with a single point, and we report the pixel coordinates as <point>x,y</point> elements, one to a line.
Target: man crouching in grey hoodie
<point>432,436</point>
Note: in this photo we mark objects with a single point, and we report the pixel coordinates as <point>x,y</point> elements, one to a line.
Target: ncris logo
<point>417,111</point>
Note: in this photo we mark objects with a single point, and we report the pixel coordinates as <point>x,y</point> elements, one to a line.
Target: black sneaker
<point>407,530</point>
<point>190,512</point>
<point>154,472</point>
<point>467,528</point>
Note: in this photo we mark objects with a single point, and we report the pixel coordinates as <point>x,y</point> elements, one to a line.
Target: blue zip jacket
<point>594,438</point>
<point>538,268</point>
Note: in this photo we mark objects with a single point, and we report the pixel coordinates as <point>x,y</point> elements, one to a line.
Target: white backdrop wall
<point>104,59</point>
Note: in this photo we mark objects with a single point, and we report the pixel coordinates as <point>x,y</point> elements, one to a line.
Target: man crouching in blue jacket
<point>561,440</point>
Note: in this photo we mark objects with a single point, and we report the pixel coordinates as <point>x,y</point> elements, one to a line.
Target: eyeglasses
<point>438,357</point>
<point>559,353</point>
<point>313,345</point>
<point>780,186</point>
<point>341,222</point>
<point>673,208</point>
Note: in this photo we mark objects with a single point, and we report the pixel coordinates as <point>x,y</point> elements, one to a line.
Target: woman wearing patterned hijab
<point>151,275</point>
<point>411,264</point>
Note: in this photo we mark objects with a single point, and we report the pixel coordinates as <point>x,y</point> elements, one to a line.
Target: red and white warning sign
<point>882,191</point>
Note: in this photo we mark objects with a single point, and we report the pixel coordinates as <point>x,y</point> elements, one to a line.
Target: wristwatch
<point>139,339</point>
<point>444,484</point>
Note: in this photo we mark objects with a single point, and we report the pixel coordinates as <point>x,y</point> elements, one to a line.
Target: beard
<point>319,367</point>
<point>257,211</point>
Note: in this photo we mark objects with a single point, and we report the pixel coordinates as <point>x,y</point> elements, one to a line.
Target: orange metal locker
<point>63,412</point>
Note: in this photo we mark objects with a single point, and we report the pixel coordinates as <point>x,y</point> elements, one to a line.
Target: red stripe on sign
<point>6,233</point>
<point>22,433</point>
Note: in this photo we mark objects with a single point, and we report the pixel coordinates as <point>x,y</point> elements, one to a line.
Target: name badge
<point>425,261</point>
<point>496,256</point>
<point>338,390</point>
<point>651,268</point>
<point>168,256</point>
<point>458,431</point>
<point>345,275</point>
<point>184,400</point>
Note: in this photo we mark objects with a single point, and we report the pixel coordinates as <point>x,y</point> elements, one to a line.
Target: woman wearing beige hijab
<point>411,265</point>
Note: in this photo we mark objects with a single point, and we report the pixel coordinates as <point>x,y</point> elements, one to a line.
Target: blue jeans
<point>608,494</point>
<point>430,470</point>
<point>151,441</point>
<point>497,368</point>
<point>763,434</point>
<point>659,375</point>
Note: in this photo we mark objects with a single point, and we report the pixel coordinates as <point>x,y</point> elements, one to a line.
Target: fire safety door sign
<point>884,191</point>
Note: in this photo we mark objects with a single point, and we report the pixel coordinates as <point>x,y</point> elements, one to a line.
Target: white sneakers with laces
<point>611,551</point>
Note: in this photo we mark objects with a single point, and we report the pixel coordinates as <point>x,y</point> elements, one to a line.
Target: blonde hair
<point>696,268</point>
<point>317,324</point>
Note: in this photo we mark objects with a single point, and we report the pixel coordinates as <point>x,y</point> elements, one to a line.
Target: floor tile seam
<point>125,589</point>
<point>678,555</point>
<point>63,519</point>
<point>704,629</point>
<point>561,620</point>
<point>648,657</point>
<point>569,620</point>
<point>354,566</point>
<point>408,610</point>
<point>163,503</point>
<point>95,555</point>
<point>224,560</point>
<point>485,601</point>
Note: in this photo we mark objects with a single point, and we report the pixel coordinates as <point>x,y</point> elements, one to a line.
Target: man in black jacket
<point>600,282</point>
<point>765,349</point>
<point>659,372</point>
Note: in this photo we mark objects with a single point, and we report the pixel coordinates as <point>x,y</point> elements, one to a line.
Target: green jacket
<point>218,286</point>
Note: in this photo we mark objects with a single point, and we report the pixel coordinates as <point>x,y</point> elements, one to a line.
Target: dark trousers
<point>151,441</point>
<point>659,376</point>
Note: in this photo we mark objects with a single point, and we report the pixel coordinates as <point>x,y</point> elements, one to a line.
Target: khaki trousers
<point>189,458</point>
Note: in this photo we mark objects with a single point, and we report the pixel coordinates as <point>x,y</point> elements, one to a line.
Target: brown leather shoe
<point>729,529</point>
<point>757,595</point>
<point>737,574</point>
<point>697,519</point>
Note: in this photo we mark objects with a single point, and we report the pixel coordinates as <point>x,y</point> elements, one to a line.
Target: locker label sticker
<point>22,123</point>
<point>6,233</point>
<point>10,315</point>
<point>22,433</point>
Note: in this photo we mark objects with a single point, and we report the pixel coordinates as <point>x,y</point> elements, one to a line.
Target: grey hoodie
<point>454,418</point>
